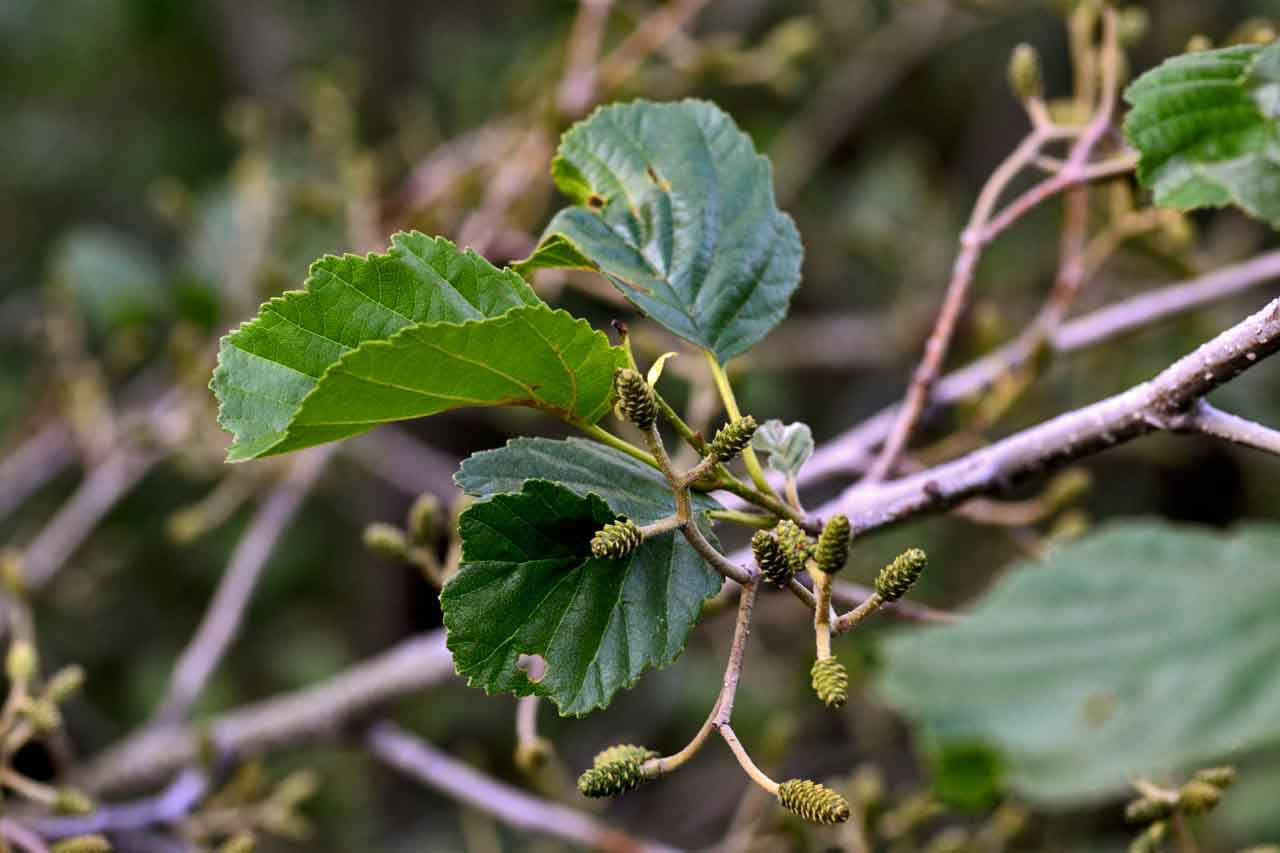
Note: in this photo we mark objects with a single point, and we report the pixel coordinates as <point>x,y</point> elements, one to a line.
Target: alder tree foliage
<point>586,561</point>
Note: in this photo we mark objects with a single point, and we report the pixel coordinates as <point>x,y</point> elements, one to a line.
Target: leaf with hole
<point>529,585</point>
<point>1146,649</point>
<point>673,204</point>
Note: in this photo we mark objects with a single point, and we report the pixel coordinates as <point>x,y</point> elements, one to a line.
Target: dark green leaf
<point>1144,649</point>
<point>529,585</point>
<point>675,206</point>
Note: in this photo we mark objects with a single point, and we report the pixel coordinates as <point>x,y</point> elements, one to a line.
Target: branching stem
<point>731,409</point>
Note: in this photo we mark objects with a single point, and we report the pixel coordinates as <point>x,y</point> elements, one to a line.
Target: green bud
<point>386,540</point>
<point>1025,77</point>
<point>1147,809</point>
<point>532,755</point>
<point>21,662</point>
<point>1197,798</point>
<point>615,771</point>
<point>72,801</point>
<point>424,519</point>
<point>1151,838</point>
<point>830,682</point>
<point>813,802</point>
<point>1219,777</point>
<point>616,540</point>
<point>1132,24</point>
<point>635,398</point>
<point>833,545</point>
<point>82,844</point>
<point>1198,43</point>
<point>795,544</point>
<point>732,438</point>
<point>775,568</point>
<point>896,578</point>
<point>65,683</point>
<point>43,715</point>
<point>241,842</point>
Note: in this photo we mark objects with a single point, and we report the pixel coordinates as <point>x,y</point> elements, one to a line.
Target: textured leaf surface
<point>1145,649</point>
<point>1205,124</point>
<point>529,585</point>
<point>788,446</point>
<point>675,206</point>
<point>630,487</point>
<point>424,303</point>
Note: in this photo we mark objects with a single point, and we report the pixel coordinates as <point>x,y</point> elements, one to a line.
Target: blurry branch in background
<point>33,463</point>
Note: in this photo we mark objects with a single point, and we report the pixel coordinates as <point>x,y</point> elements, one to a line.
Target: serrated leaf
<point>1206,126</point>
<point>630,487</point>
<point>1145,649</point>
<point>674,205</point>
<point>529,585</point>
<point>789,446</point>
<point>415,331</point>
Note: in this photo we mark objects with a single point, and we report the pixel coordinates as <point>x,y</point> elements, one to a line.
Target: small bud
<point>830,682</point>
<point>896,578</point>
<point>65,683</point>
<point>795,544</point>
<point>615,771</point>
<point>1198,43</point>
<point>1151,838</point>
<point>635,397</point>
<point>82,844</point>
<point>1025,77</point>
<point>1219,777</point>
<point>424,519</point>
<point>72,801</point>
<point>1197,798</point>
<point>21,662</point>
<point>732,438</point>
<point>386,540</point>
<point>775,568</point>
<point>1147,809</point>
<point>43,715</point>
<point>1132,24</point>
<point>813,802</point>
<point>533,754</point>
<point>616,540</point>
<point>241,842</point>
<point>833,545</point>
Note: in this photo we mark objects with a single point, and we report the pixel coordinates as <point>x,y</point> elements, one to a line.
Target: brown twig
<point>1207,420</point>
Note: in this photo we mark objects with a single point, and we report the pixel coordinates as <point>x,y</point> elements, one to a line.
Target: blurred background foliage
<point>168,165</point>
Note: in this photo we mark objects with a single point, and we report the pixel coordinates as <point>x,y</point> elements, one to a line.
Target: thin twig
<point>1204,418</point>
<point>421,761</point>
<point>21,836</point>
<point>44,455</point>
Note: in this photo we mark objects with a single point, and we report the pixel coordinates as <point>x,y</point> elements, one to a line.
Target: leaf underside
<point>1145,649</point>
<point>1205,125</point>
<point>673,204</point>
<point>529,585</point>
<point>420,330</point>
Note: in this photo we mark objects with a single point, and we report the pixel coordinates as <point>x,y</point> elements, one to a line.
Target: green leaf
<point>630,487</point>
<point>113,279</point>
<point>1205,125</point>
<point>1144,649</point>
<point>419,330</point>
<point>788,446</point>
<point>674,205</point>
<point>529,585</point>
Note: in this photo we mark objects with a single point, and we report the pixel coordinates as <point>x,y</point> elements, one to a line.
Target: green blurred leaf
<point>529,585</point>
<point>674,205</point>
<point>630,487</point>
<point>967,776</point>
<point>420,330</point>
<point>1205,124</point>
<point>113,279</point>
<point>789,445</point>
<point>1144,649</point>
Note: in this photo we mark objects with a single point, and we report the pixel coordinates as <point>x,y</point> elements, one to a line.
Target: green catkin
<point>795,544</point>
<point>616,539</point>
<point>896,578</point>
<point>830,681</point>
<point>1197,798</point>
<point>1025,77</point>
<point>615,771</point>
<point>82,844</point>
<point>1147,809</point>
<point>813,802</point>
<point>832,551</point>
<point>775,568</point>
<point>386,540</point>
<point>1151,839</point>
<point>733,438</point>
<point>72,801</point>
<point>1218,777</point>
<point>21,662</point>
<point>635,398</point>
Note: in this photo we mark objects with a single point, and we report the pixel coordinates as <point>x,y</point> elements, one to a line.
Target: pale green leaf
<point>788,446</point>
<point>1206,126</point>
<point>1144,649</point>
<point>674,205</point>
<point>529,585</point>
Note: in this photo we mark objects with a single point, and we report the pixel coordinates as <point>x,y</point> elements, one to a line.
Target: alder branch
<point>221,622</point>
<point>1204,418</point>
<point>1140,410</point>
<point>847,452</point>
<point>41,457</point>
<point>419,760</point>
<point>152,755</point>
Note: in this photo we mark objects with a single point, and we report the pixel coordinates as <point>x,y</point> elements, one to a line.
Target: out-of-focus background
<point>168,165</point>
